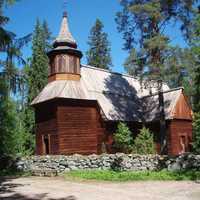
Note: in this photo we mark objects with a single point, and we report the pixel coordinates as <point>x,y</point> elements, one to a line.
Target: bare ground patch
<point>36,188</point>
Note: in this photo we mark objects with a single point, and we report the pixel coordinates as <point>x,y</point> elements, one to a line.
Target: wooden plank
<point>69,76</point>
<point>73,127</point>
<point>177,129</point>
<point>182,109</point>
<point>79,127</point>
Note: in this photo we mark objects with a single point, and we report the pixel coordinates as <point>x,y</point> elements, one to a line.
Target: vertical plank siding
<point>72,127</point>
<point>177,129</point>
<point>46,125</point>
<point>182,109</point>
<point>79,127</point>
<point>64,63</point>
<point>76,126</point>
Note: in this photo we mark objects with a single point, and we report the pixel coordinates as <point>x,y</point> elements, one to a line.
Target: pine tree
<point>178,69</point>
<point>196,51</point>
<point>142,24</point>
<point>98,54</point>
<point>195,44</point>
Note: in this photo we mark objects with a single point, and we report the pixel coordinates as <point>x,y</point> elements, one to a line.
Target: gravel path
<point>37,188</point>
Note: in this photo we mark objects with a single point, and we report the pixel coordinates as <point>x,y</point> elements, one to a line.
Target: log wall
<point>80,127</point>
<point>75,126</point>
<point>46,126</point>
<point>71,126</point>
<point>180,133</point>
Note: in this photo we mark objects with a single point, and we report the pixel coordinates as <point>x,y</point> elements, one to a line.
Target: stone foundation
<point>109,161</point>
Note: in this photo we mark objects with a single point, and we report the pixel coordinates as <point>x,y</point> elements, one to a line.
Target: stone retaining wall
<point>109,161</point>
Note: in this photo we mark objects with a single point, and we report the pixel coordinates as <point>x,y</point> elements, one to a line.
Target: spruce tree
<point>35,75</point>
<point>98,54</point>
<point>5,36</point>
<point>47,36</point>
<point>10,85</point>
<point>38,72</point>
<point>144,143</point>
<point>123,138</point>
<point>7,119</point>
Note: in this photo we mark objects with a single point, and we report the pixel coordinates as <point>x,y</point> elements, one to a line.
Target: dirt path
<point>36,188</point>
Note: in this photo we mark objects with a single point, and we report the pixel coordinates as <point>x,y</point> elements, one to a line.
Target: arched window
<point>60,63</point>
<point>65,64</point>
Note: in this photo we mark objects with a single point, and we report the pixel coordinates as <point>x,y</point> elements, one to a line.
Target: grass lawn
<point>108,175</point>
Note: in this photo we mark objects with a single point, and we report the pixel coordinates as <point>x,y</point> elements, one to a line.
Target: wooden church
<point>80,107</point>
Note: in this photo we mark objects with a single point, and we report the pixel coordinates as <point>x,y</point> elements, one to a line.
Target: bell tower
<point>64,58</point>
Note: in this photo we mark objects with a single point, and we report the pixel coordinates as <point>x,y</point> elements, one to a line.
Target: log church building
<point>80,107</point>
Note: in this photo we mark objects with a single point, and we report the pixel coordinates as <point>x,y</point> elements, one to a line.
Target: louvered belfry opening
<point>64,58</point>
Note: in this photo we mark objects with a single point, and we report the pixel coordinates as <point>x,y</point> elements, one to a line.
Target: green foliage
<point>196,133</point>
<point>12,137</point>
<point>25,142</point>
<point>133,65</point>
<point>17,117</point>
<point>35,78</point>
<point>47,36</point>
<point>195,44</point>
<point>123,138</point>
<point>142,24</point>
<point>7,126</point>
<point>106,175</point>
<point>38,71</point>
<point>178,69</point>
<point>144,142</point>
<point>140,15</point>
<point>98,54</point>
<point>4,34</point>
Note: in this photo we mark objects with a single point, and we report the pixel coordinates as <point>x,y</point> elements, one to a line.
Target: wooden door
<point>46,144</point>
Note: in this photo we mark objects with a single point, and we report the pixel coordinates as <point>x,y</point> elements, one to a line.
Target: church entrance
<point>46,144</point>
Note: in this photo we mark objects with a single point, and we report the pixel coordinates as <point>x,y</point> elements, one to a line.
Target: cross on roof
<point>65,4</point>
<point>65,8</point>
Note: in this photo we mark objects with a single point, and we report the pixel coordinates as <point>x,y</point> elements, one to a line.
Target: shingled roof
<point>151,104</point>
<point>119,96</point>
<point>65,36</point>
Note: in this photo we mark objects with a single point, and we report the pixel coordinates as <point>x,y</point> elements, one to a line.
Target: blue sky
<point>82,15</point>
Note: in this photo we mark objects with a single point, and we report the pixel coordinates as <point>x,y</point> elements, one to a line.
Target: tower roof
<point>65,37</point>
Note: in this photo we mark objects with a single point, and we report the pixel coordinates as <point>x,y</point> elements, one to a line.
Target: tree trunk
<point>163,132</point>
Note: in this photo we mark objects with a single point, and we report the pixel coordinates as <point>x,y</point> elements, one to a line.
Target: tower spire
<point>64,58</point>
<point>65,37</point>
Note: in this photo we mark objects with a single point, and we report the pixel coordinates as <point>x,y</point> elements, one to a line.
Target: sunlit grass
<point>109,175</point>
